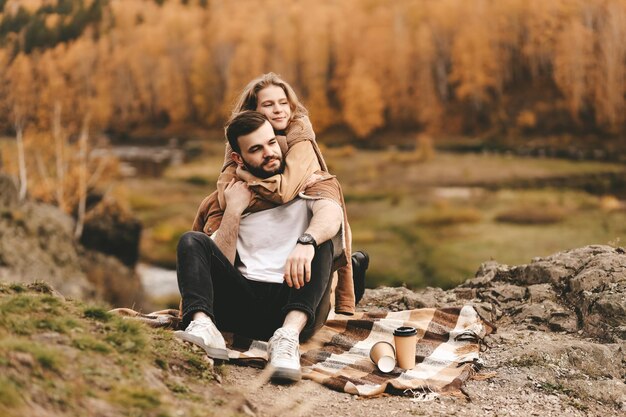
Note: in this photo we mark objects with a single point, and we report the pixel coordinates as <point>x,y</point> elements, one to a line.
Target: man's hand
<point>298,265</point>
<point>237,196</point>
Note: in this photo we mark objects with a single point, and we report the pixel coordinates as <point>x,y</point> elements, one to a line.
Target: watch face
<point>306,239</point>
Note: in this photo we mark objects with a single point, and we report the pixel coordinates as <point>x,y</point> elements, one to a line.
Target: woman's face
<point>273,103</point>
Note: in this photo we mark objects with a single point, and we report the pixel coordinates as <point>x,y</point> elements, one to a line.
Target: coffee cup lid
<point>405,331</point>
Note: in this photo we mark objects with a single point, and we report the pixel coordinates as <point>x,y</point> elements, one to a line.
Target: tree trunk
<point>19,130</point>
<point>59,151</point>
<point>82,179</point>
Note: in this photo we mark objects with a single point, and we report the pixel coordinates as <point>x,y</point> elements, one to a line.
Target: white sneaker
<point>202,332</point>
<point>284,353</point>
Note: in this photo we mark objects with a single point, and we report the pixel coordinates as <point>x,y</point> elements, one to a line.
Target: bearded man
<point>265,274</point>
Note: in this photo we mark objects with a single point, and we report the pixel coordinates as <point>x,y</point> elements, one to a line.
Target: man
<point>261,274</point>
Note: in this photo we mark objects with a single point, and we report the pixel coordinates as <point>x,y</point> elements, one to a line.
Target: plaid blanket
<point>337,356</point>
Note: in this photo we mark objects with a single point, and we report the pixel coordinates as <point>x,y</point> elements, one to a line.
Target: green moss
<point>41,287</point>
<point>19,304</point>
<point>136,397</point>
<point>177,388</point>
<point>525,362</point>
<point>56,324</point>
<point>110,361</point>
<point>9,393</point>
<point>555,388</point>
<point>87,342</point>
<point>97,313</point>
<point>48,357</point>
<point>126,335</point>
<point>17,288</point>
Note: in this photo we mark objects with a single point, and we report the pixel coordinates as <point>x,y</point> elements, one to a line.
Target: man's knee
<point>325,250</point>
<point>193,240</point>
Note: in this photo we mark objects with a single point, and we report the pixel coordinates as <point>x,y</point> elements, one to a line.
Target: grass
<point>97,313</point>
<point>443,216</point>
<point>127,336</point>
<point>9,393</point>
<point>136,400</point>
<point>423,223</point>
<point>532,215</point>
<point>84,354</point>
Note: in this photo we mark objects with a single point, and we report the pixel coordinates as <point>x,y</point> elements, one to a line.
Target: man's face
<point>273,104</point>
<point>260,153</point>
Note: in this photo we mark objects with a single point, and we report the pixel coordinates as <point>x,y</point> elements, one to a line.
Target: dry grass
<point>449,216</point>
<point>120,365</point>
<point>532,215</point>
<point>415,236</point>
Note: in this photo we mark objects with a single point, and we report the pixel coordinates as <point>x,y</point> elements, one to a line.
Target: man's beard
<point>259,172</point>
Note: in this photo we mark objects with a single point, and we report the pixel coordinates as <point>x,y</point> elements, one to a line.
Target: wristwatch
<point>307,239</point>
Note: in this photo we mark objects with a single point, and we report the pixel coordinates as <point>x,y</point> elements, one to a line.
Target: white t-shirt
<point>266,239</point>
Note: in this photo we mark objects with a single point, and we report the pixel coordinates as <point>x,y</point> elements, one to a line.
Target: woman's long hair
<point>248,98</point>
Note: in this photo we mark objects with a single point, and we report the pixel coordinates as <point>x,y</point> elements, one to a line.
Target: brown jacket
<point>303,158</point>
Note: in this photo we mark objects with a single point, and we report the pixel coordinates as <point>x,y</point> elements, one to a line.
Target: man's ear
<point>237,158</point>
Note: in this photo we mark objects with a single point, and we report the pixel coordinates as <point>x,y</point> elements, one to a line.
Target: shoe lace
<point>284,346</point>
<point>199,325</point>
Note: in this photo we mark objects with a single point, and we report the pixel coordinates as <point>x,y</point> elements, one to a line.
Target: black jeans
<point>208,282</point>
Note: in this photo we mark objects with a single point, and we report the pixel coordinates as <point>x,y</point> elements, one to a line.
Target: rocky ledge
<point>37,244</point>
<point>560,346</point>
<point>581,291</point>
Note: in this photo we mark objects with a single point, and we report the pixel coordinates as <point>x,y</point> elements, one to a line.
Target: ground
<point>519,387</point>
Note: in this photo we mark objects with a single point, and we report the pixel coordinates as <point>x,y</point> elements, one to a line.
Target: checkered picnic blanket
<point>448,346</point>
<point>337,356</point>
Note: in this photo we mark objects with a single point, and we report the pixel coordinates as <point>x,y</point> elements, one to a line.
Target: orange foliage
<point>366,64</point>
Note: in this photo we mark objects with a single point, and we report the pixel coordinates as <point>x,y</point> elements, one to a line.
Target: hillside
<point>64,357</point>
<point>559,350</point>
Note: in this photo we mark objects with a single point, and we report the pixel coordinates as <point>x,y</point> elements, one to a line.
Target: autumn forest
<point>460,67</point>
<point>461,130</point>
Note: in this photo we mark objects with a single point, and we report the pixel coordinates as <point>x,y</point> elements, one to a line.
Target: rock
<point>603,270</point>
<point>111,230</point>
<point>504,293</point>
<point>115,282</point>
<point>563,321</point>
<point>540,292</point>
<point>37,244</point>
<point>9,194</point>
<point>401,298</point>
<point>581,290</point>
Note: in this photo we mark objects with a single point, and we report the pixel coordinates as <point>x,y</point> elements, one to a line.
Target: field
<point>424,223</point>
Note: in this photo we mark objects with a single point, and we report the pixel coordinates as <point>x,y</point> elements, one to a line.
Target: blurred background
<point>461,131</point>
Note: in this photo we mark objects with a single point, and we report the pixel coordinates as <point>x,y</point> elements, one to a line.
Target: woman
<point>277,101</point>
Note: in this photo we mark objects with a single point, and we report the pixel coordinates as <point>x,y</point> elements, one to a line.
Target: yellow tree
<point>86,66</point>
<point>363,103</point>
<point>179,33</point>
<point>21,98</point>
<point>245,37</point>
<point>541,20</point>
<point>429,109</point>
<point>609,70</point>
<point>572,64</point>
<point>52,104</point>
<point>403,67</point>
<point>313,26</point>
<point>476,71</point>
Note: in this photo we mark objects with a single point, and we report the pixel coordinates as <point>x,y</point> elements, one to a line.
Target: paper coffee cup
<point>405,339</point>
<point>384,356</point>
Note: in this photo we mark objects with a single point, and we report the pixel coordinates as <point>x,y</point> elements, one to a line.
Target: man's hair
<point>248,98</point>
<point>243,124</point>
